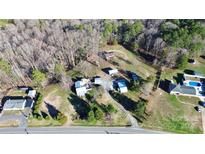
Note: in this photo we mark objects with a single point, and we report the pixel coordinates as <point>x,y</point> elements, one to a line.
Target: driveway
<point>106,84</point>
<point>22,118</point>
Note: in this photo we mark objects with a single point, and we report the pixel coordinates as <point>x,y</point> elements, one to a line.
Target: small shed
<point>80,88</point>
<point>112,71</point>
<point>122,86</point>
<point>32,93</point>
<point>97,81</point>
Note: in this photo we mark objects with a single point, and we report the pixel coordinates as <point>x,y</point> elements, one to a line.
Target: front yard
<point>166,112</point>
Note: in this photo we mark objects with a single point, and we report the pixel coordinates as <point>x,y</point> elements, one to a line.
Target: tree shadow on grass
<point>52,110</point>
<point>80,106</point>
<point>44,114</point>
<point>126,102</point>
<point>137,108</point>
<point>179,78</point>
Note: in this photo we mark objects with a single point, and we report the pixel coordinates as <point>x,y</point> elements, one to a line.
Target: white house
<point>112,71</point>
<point>32,93</point>
<point>81,88</point>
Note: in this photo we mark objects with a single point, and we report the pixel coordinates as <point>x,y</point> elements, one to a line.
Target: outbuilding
<point>97,81</point>
<point>14,104</point>
<point>112,71</point>
<point>122,86</point>
<point>32,93</point>
<point>80,88</point>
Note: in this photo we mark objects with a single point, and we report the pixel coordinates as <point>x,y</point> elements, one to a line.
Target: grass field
<point>168,114</point>
<point>198,67</point>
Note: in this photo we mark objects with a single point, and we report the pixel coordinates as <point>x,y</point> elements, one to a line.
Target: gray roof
<point>185,90</point>
<point>14,104</point>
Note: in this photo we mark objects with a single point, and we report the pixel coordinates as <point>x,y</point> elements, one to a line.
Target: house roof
<point>79,84</point>
<point>32,93</point>
<point>121,84</point>
<point>97,80</point>
<point>13,104</point>
<point>184,89</point>
<point>112,71</point>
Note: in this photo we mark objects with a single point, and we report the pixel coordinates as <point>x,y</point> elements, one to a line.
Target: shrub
<point>99,114</point>
<point>39,117</point>
<point>38,76</point>
<point>61,118</point>
<point>91,116</point>
<point>47,117</point>
<point>5,66</point>
<point>135,86</point>
<point>111,109</point>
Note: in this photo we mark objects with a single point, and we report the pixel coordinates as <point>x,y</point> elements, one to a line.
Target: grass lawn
<point>198,67</point>
<point>168,114</point>
<point>129,61</point>
<point>57,98</point>
<point>16,92</point>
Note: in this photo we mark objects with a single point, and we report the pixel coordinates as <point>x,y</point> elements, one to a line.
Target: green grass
<point>179,125</point>
<point>173,100</point>
<point>198,67</point>
<point>190,100</point>
<point>4,22</point>
<point>134,63</point>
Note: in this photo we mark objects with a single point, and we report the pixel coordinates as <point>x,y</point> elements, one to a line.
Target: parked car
<point>202,104</point>
<point>197,108</point>
<point>191,61</point>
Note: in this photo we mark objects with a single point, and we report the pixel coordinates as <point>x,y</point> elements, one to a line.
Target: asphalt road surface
<point>78,130</point>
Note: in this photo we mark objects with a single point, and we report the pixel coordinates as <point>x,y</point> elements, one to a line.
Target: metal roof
<point>15,104</point>
<point>185,89</point>
<point>121,84</point>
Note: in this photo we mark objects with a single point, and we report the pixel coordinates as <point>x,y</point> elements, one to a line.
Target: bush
<point>99,114</point>
<point>61,118</point>
<point>37,104</point>
<point>5,66</point>
<point>38,76</point>
<point>47,117</point>
<point>39,117</point>
<point>91,116</point>
<point>135,86</point>
<point>111,109</point>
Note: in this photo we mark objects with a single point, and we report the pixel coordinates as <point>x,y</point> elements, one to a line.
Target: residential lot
<point>59,105</point>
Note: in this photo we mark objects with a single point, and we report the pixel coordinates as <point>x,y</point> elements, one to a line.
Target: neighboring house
<point>18,104</point>
<point>189,87</point>
<point>82,86</point>
<point>14,104</point>
<point>194,74</point>
<point>182,90</point>
<point>112,71</point>
<point>97,81</point>
<point>32,93</point>
<point>122,86</point>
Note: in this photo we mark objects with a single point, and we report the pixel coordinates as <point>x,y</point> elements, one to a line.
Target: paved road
<point>78,130</point>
